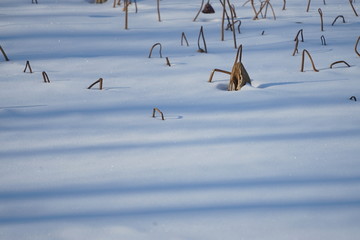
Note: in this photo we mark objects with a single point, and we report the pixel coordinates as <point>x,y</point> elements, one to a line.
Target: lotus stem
<point>100,81</point>
<point>156,44</point>
<point>28,66</point>
<point>183,37</point>
<point>331,65</point>
<point>303,60</point>
<point>340,16</point>
<point>45,77</point>
<point>157,110</point>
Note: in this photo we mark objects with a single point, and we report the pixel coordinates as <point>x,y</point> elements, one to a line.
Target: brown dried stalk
<point>158,10</point>
<point>202,4</point>
<point>340,16</point>
<point>126,7</point>
<point>284,5</point>
<point>331,65</point>
<point>3,52</point>
<point>300,32</point>
<point>156,44</point>
<point>356,45</point>
<point>353,98</point>
<point>34,1</point>
<point>323,41</point>
<point>296,47</point>
<point>201,35</point>
<point>232,20</point>
<point>308,6</point>
<point>183,37</point>
<point>303,60</point>
<point>28,66</point>
<point>353,8</point>
<point>100,81</point>
<point>45,77</point>
<point>157,110</point>
<point>168,62</point>
<point>265,4</point>
<point>321,19</point>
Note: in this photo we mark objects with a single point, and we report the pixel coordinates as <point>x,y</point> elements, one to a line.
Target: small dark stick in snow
<point>353,98</point>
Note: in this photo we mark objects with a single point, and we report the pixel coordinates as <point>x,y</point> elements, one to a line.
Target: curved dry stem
<point>45,77</point>
<point>157,110</point>
<point>303,60</point>
<point>340,16</point>
<point>201,35</point>
<point>321,19</point>
<point>296,47</point>
<point>353,98</point>
<point>353,8</point>
<point>100,81</point>
<point>300,32</point>
<point>323,41</point>
<point>152,48</point>
<point>356,46</point>
<point>28,66</point>
<point>217,70</point>
<point>337,62</point>
<point>202,4</point>
<point>183,37</point>
<point>284,5</point>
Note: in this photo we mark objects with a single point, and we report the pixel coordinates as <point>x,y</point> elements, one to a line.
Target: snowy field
<point>279,159</point>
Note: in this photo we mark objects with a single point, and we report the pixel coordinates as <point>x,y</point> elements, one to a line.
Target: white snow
<point>275,160</point>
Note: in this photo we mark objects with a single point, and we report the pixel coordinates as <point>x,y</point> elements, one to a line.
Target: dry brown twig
<point>323,41</point>
<point>337,62</point>
<point>158,110</point>
<point>340,16</point>
<point>45,77</point>
<point>353,8</point>
<point>321,19</point>
<point>4,54</point>
<point>296,47</point>
<point>201,35</point>
<point>356,46</point>
<point>156,44</point>
<point>301,33</point>
<point>303,60</point>
<point>100,81</point>
<point>183,37</point>
<point>28,66</point>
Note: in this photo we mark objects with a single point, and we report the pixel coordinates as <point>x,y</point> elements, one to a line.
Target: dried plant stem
<point>157,110</point>
<point>156,44</point>
<point>202,4</point>
<point>308,6</point>
<point>340,16</point>
<point>28,66</point>
<point>183,37</point>
<point>284,5</point>
<point>321,19</point>
<point>34,1</point>
<point>126,6</point>
<point>356,46</point>
<point>217,70</point>
<point>303,60</point>
<point>223,21</point>
<point>353,98</point>
<point>296,47</point>
<point>100,81</point>
<point>114,6</point>
<point>300,32</point>
<point>158,10</point>
<point>323,41</point>
<point>353,8</point>
<point>331,65</point>
<point>45,77</point>
<point>265,4</point>
<point>3,52</point>
<point>232,20</point>
<point>168,62</point>
<point>201,35</point>
<point>253,6</point>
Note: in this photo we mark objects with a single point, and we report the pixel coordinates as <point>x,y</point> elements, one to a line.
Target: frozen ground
<point>276,160</point>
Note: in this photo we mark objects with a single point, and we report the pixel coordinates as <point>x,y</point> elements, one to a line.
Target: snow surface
<point>276,160</point>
